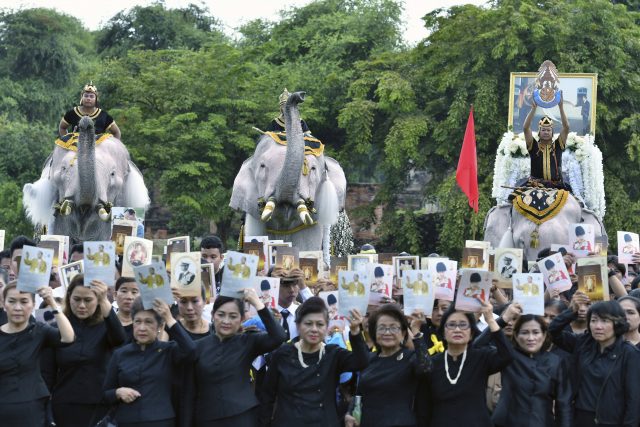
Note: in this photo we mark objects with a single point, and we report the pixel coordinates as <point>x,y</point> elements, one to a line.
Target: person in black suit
<point>224,397</point>
<point>140,375</point>
<point>79,369</point>
<point>303,376</point>
<point>24,393</point>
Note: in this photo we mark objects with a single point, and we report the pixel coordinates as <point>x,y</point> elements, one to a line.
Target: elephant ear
<point>244,196</point>
<point>136,194</point>
<point>38,198</point>
<point>336,175</point>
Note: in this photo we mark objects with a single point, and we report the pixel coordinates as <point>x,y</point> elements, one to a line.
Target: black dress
<point>79,371</point>
<point>224,396</point>
<point>22,388</point>
<point>150,372</point>
<point>464,404</point>
<point>388,386</point>
<point>101,119</point>
<point>307,396</point>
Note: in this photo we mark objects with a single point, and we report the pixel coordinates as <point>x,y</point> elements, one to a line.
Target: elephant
<point>76,190</point>
<point>504,227</point>
<point>287,192</point>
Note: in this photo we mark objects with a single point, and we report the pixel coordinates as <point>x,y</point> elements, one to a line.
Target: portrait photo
<point>359,262</point>
<point>579,92</point>
<point>69,271</point>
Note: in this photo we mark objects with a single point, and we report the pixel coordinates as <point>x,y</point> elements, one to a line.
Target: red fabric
<point>467,172</point>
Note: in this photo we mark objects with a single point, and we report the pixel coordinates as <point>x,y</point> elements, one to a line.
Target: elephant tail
<point>38,199</point>
<point>327,202</point>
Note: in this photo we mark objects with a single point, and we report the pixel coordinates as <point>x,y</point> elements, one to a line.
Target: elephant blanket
<point>539,204</point>
<point>312,145</point>
<point>70,140</point>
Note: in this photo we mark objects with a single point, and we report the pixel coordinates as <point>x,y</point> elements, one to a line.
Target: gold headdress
<point>283,97</point>
<point>545,121</point>
<point>89,87</point>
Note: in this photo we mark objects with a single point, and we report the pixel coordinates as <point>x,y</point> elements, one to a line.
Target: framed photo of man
<point>69,271</point>
<point>186,273</point>
<point>579,92</point>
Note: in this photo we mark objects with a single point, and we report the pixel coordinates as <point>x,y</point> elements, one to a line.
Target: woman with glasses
<point>535,385</point>
<point>459,376</point>
<point>388,385</point>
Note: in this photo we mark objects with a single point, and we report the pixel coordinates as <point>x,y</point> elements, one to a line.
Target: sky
<point>232,13</point>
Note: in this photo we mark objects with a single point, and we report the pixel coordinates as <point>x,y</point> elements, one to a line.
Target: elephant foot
<point>267,212</point>
<point>304,214</point>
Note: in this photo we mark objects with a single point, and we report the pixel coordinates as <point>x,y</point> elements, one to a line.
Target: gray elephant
<point>76,190</point>
<point>504,227</point>
<point>291,192</point>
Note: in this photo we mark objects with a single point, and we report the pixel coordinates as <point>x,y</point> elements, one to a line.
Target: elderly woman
<point>79,369</point>
<point>140,375</point>
<point>606,378</point>
<point>388,385</point>
<point>535,386</point>
<point>24,393</point>
<point>303,376</point>
<point>224,396</point>
<point>459,376</point>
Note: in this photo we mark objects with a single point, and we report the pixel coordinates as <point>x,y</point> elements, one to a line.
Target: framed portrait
<point>177,244</point>
<point>186,273</point>
<point>338,264</point>
<point>359,262</point>
<point>137,252</point>
<point>272,251</point>
<point>208,279</point>
<point>579,92</point>
<point>69,271</point>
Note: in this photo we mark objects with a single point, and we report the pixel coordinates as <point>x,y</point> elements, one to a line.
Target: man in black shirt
<point>103,122</point>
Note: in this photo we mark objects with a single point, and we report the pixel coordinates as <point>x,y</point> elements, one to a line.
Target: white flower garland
<point>582,169</point>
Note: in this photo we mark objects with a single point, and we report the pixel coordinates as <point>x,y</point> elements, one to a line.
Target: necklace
<point>301,360</point>
<point>446,366</point>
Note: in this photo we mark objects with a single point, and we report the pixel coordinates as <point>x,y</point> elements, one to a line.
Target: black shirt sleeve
<point>116,336</point>
<point>356,359</point>
<point>264,343</point>
<point>560,336</point>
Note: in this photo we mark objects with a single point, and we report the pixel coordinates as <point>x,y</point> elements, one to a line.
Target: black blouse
<point>101,119</point>
<point>307,396</point>
<point>150,372</point>
<point>464,404</point>
<point>388,386</point>
<point>20,379</point>
<point>81,367</point>
<point>222,373</point>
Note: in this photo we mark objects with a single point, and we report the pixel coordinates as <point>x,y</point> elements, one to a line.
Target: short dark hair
<point>78,281</point>
<point>222,300</point>
<point>79,248</point>
<point>14,285</point>
<point>138,307</point>
<point>122,280</point>
<point>634,300</point>
<point>212,242</point>
<point>524,318</point>
<point>19,242</point>
<point>5,254</point>
<point>391,310</point>
<point>313,305</point>
<point>471,318</point>
<point>4,275</point>
<point>556,304</point>
<point>609,310</point>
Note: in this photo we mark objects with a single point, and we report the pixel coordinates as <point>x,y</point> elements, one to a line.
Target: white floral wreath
<point>581,167</point>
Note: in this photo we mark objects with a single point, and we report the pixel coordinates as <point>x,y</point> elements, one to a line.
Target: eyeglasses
<point>385,329</point>
<point>463,326</point>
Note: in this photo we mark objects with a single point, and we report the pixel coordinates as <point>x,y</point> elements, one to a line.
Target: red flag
<point>467,172</point>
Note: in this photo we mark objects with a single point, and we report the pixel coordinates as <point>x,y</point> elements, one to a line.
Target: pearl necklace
<point>301,360</point>
<point>446,366</point>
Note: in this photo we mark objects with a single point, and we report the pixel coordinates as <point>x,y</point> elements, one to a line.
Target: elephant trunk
<point>86,162</point>
<point>287,184</point>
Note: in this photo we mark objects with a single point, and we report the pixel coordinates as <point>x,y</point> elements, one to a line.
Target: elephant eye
<point>262,165</point>
<point>313,168</point>
<point>113,173</point>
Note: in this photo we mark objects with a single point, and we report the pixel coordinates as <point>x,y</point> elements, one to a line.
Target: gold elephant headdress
<point>89,87</point>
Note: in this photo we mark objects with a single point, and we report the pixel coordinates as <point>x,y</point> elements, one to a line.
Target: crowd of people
<point>201,362</point>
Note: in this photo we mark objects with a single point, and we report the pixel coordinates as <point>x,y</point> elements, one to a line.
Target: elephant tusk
<point>268,210</point>
<point>65,207</point>
<point>304,215</point>
<point>104,215</point>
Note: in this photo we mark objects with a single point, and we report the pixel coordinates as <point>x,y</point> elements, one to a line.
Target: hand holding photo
<point>238,274</point>
<point>418,292</point>
<point>137,252</point>
<point>474,287</point>
<point>444,277</point>
<point>554,270</point>
<point>382,283</point>
<point>627,246</point>
<point>354,288</point>
<point>35,268</point>
<point>528,291</point>
<point>153,282</point>
<point>99,262</point>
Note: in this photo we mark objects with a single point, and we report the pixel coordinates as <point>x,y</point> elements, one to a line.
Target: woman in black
<point>22,388</point>
<point>302,377</point>
<point>606,378</point>
<point>126,293</point>
<point>140,374</point>
<point>388,385</point>
<point>79,369</point>
<point>190,309</point>
<point>535,386</point>
<point>224,396</point>
<point>458,379</point>
<point>631,307</point>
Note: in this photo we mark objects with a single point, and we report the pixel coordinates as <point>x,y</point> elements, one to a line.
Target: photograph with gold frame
<point>579,91</point>
<point>359,262</point>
